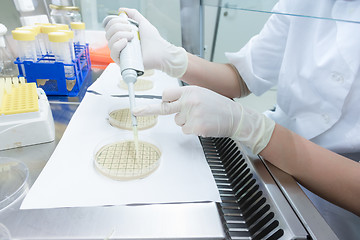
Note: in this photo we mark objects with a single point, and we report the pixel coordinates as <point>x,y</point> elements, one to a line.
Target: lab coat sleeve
<point>259,61</point>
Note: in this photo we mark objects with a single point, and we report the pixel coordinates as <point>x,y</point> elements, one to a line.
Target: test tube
<point>26,46</point>
<point>79,32</point>
<point>36,30</point>
<point>71,42</point>
<point>45,30</point>
<point>59,42</point>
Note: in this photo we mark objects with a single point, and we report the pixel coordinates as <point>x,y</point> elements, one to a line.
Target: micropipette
<point>131,63</point>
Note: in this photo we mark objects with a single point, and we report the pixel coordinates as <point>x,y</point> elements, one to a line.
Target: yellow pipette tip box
<point>23,98</point>
<point>25,114</point>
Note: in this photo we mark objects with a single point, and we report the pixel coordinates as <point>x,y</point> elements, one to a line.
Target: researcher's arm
<point>205,113</point>
<point>218,77</point>
<point>329,175</point>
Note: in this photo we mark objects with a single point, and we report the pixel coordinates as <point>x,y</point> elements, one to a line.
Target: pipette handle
<point>130,56</point>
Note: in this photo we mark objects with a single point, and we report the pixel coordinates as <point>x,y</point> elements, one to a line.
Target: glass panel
<point>164,15</point>
<point>265,6</point>
<point>229,24</point>
<point>229,29</point>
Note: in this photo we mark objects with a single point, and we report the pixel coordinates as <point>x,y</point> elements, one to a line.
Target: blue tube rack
<point>50,75</point>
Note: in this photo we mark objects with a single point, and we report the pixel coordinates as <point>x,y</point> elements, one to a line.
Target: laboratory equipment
<point>14,176</point>
<point>64,14</point>
<point>121,161</point>
<point>71,41</point>
<point>26,45</point>
<point>121,118</point>
<point>148,73</point>
<point>62,26</point>
<point>141,84</point>
<point>131,64</point>
<point>44,36</point>
<point>50,74</point>
<point>63,53</point>
<point>25,115</point>
<point>79,32</point>
<point>7,66</point>
<point>36,29</point>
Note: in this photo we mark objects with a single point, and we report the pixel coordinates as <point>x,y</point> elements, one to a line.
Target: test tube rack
<point>25,114</point>
<point>49,74</point>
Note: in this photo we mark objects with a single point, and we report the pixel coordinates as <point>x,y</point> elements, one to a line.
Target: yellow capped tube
<point>26,46</point>
<point>71,42</point>
<point>44,31</point>
<point>36,29</point>
<point>59,42</point>
<point>79,32</point>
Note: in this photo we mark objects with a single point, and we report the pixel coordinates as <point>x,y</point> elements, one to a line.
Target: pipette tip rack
<point>25,114</point>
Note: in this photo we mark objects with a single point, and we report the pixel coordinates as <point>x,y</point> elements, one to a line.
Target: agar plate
<point>119,160</point>
<point>121,118</point>
<point>148,72</point>
<point>13,180</point>
<point>140,85</point>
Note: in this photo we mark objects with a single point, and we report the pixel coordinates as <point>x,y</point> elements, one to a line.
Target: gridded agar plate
<point>119,160</point>
<point>121,118</point>
<point>140,85</point>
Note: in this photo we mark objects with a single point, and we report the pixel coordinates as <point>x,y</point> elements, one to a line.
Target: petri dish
<point>140,85</point>
<point>4,233</point>
<point>13,181</point>
<point>148,72</point>
<point>121,118</point>
<point>119,160</point>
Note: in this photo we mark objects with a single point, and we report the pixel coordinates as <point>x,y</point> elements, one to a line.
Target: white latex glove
<point>157,52</point>
<point>205,113</point>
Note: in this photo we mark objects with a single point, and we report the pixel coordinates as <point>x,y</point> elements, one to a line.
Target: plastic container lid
<point>62,26</point>
<point>49,28</point>
<point>68,32</point>
<point>43,24</point>
<point>13,180</point>
<point>62,7</point>
<point>23,35</point>
<point>58,37</point>
<point>35,29</point>
<point>77,25</point>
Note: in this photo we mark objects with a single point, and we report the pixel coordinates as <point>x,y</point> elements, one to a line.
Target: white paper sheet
<point>70,180</point>
<point>107,83</point>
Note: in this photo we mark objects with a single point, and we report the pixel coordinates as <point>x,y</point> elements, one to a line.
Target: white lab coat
<point>315,65</point>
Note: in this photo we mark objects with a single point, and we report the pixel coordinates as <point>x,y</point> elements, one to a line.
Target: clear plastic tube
<point>79,32</point>
<point>71,42</point>
<point>26,46</point>
<point>36,30</point>
<point>59,42</point>
<point>45,30</point>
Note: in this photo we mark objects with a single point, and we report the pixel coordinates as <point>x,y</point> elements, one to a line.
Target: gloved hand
<point>157,52</point>
<point>205,113</point>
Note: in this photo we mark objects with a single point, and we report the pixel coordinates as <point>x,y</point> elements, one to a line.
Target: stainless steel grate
<point>246,209</point>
